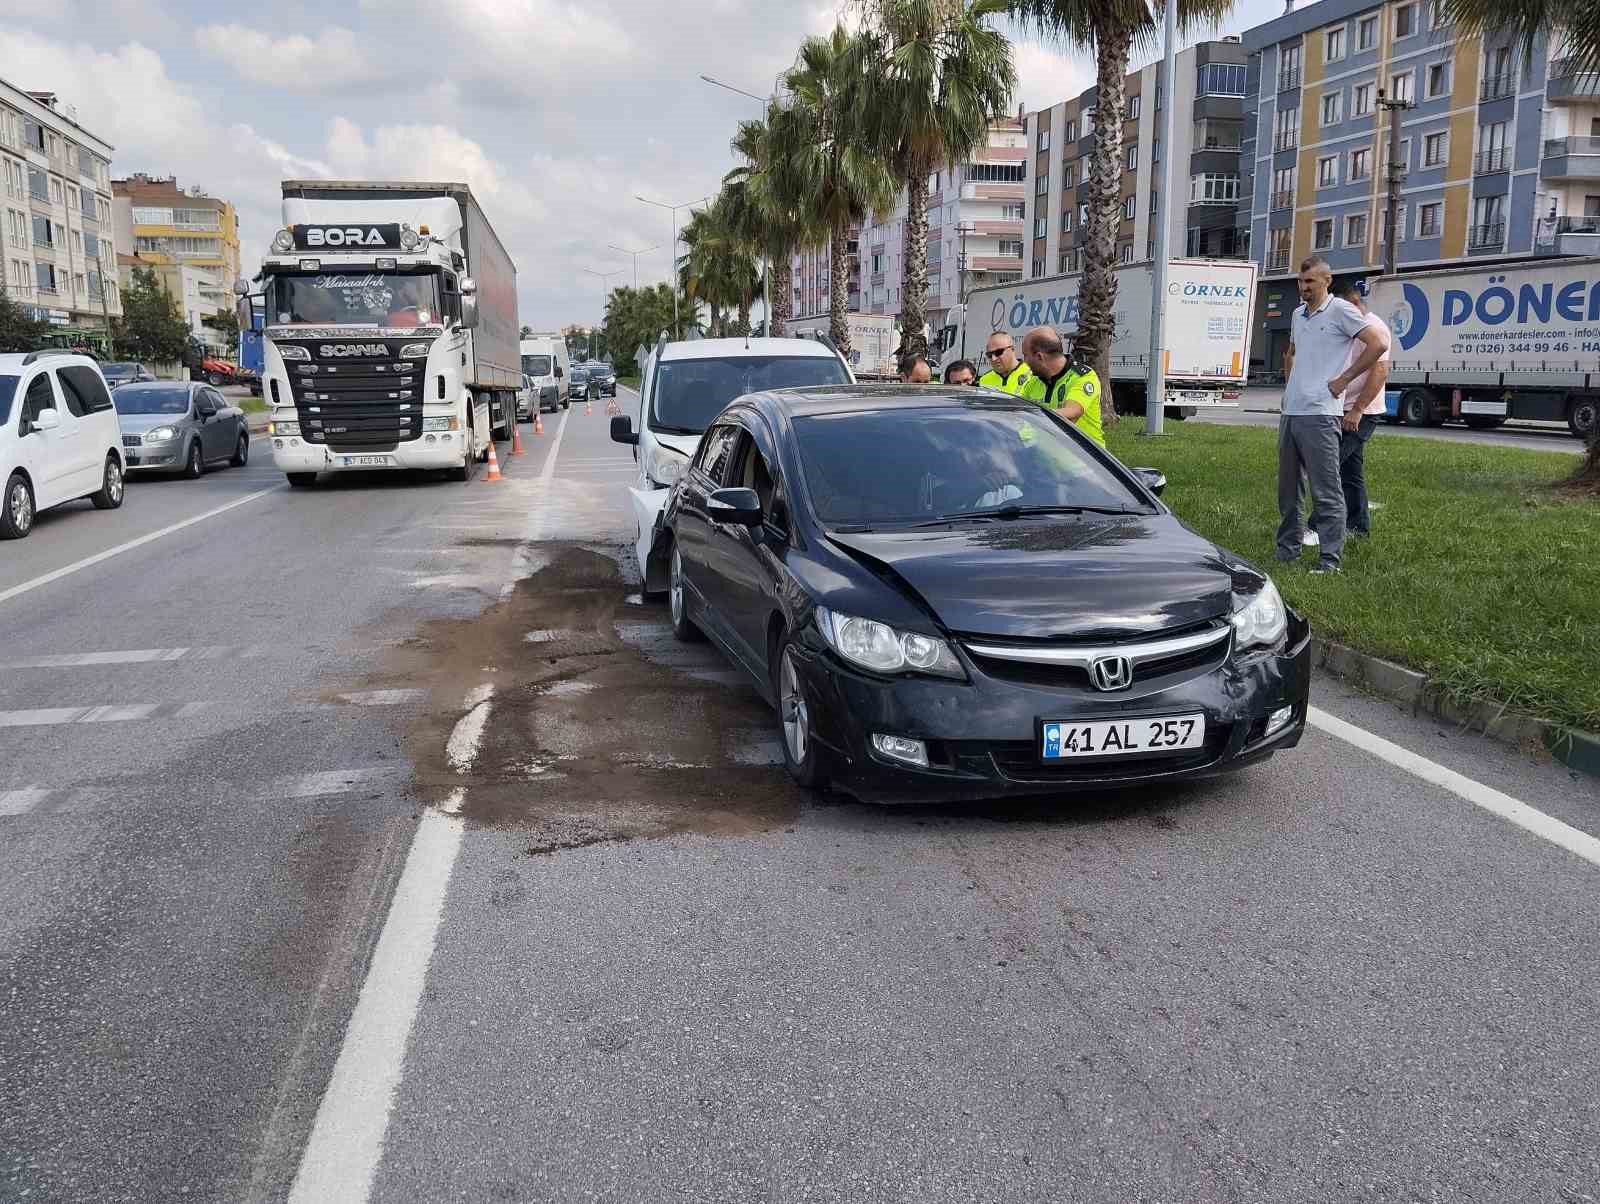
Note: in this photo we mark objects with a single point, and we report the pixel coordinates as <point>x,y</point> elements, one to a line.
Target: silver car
<point>179,426</point>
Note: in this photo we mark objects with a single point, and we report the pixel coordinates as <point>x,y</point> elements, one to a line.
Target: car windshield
<point>903,466</point>
<point>536,365</point>
<point>8,390</point>
<point>151,399</point>
<point>579,371</point>
<point>355,299</point>
<point>118,371</point>
<point>689,394</point>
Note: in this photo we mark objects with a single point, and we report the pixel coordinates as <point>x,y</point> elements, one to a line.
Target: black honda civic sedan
<point>954,594</point>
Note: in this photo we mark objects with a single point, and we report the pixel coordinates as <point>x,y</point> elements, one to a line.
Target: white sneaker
<point>1308,539</point>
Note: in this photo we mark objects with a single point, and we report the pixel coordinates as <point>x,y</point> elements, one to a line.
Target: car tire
<point>678,601</point>
<point>241,454</point>
<point>302,480</point>
<point>802,756</point>
<point>16,508</point>
<point>194,463</point>
<point>1584,417</point>
<point>112,486</point>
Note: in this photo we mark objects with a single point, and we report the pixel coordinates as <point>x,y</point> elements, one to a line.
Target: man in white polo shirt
<point>1319,366</point>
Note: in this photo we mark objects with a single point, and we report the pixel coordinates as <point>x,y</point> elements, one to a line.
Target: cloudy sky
<point>557,113</point>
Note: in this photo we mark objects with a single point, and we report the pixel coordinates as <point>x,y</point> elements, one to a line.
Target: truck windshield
<point>355,299</point>
<point>689,394</point>
<point>536,365</point>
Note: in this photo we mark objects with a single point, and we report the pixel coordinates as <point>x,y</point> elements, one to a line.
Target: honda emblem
<point>1111,673</point>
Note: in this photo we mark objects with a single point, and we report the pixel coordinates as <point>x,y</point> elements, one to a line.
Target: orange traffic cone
<point>494,465</point>
<point>588,407</point>
<point>538,424</point>
<point>516,440</point>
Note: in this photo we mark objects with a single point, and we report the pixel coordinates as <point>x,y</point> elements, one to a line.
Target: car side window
<point>83,389</point>
<point>714,449</point>
<point>216,399</point>
<point>750,470</point>
<point>76,405</point>
<point>39,397</point>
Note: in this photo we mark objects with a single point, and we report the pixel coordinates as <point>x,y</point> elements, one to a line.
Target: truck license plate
<point>1066,740</point>
<point>367,461</point>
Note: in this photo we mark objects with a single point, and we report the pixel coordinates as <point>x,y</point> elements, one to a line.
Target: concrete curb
<point>1575,749</point>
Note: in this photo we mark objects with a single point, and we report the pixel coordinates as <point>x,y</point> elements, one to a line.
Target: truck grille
<point>357,401</point>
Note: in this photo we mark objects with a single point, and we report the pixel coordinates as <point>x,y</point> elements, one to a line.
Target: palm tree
<point>1113,28</point>
<point>719,265</point>
<point>839,172</point>
<point>766,207</point>
<point>938,77</point>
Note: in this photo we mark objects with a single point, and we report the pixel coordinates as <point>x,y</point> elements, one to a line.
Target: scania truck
<point>1208,311</point>
<point>1483,344</point>
<point>390,329</point>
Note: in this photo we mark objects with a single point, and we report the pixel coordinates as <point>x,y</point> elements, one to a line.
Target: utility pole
<point>1155,386</point>
<point>766,274</point>
<point>1394,177</point>
<point>613,246</point>
<point>963,229</point>
<point>604,276</point>
<point>676,331</point>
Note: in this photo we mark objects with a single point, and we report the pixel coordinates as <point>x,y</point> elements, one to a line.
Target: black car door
<point>690,526</point>
<point>745,558</point>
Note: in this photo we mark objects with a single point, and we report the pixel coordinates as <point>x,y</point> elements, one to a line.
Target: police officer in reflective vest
<point>1006,372</point>
<point>1069,387</point>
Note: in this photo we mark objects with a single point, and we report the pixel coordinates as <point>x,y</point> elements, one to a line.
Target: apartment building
<point>166,226</point>
<point>975,236</point>
<point>59,250</point>
<point>1500,153</point>
<point>1208,124</point>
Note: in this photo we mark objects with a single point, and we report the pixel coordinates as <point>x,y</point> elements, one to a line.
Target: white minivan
<point>59,437</point>
<point>549,371</point>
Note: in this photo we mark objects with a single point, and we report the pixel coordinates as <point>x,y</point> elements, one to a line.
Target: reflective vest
<point>1013,384</point>
<point>1081,387</point>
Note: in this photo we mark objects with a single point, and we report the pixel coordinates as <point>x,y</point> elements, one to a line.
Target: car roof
<point>163,384</point>
<point>15,361</point>
<point>734,349</point>
<point>868,398</point>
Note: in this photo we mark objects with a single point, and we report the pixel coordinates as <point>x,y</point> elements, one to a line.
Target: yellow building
<point>164,225</point>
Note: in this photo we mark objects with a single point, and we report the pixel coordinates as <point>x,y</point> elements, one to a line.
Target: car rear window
<point>903,466</point>
<point>152,399</point>
<point>689,394</point>
<point>8,390</point>
<point>85,392</point>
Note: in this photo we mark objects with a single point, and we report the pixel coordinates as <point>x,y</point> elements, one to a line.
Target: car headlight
<point>1261,619</point>
<point>283,240</point>
<point>161,434</point>
<point>666,467</point>
<point>408,238</point>
<point>883,649</point>
<point>290,352</point>
<point>414,351</point>
<point>441,424</point>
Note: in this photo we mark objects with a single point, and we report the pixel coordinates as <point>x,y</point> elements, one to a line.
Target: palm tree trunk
<point>1097,295</point>
<point>782,295</point>
<point>914,284</point>
<point>839,287</point>
<point>716,320</point>
<point>744,312</point>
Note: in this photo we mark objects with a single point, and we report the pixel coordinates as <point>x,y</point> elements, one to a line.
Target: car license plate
<point>367,461</point>
<point>1065,740</point>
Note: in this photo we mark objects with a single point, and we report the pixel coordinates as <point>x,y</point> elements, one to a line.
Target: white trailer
<point>391,327</point>
<point>873,338</point>
<point>1208,311</point>
<point>1481,344</point>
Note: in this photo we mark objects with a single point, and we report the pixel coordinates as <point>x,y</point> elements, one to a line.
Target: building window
<point>1220,79</point>
<point>1125,253</point>
<point>1132,157</point>
<point>1322,234</point>
<point>1491,149</point>
<point>1066,221</point>
<point>43,232</point>
<point>1435,149</point>
<point>1355,230</point>
<point>1011,248</point>
<point>1070,134</point>
<point>1334,49</point>
<point>1286,129</point>
<point>1041,184</point>
<point>1012,213</point>
<point>1283,188</point>
<point>1405,155</point>
<point>45,277</point>
<point>1044,139</point>
<point>1133,107</point>
<point>1069,175</point>
<point>1155,200</point>
<point>1488,223</point>
<point>996,173</point>
<point>1129,207</point>
<point>1327,171</point>
<point>1367,32</point>
<point>1360,164</point>
<point>1158,98</point>
<point>1155,150</point>
<point>1383,225</point>
<point>1400,86</point>
<point>1088,122</point>
<point>1438,80</point>
<point>1361,100</point>
<point>1038,266</point>
<point>1278,249</point>
<point>1213,188</point>
<point>1405,20</point>
<point>1429,218</point>
<point>1289,67</point>
<point>1083,214</point>
<point>1063,260</point>
<point>1040,226</point>
<point>1333,108</point>
<point>1438,14</point>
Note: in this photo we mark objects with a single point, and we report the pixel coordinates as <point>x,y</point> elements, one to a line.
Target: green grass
<point>252,405</point>
<point>1476,573</point>
<point>630,380</point>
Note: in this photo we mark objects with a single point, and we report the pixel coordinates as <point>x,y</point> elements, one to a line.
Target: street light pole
<point>766,272</point>
<point>1155,385</point>
<point>613,246</point>
<point>674,210</point>
<point>1394,106</point>
<point>604,276</point>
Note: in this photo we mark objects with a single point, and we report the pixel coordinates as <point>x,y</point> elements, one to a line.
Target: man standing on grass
<point>1319,365</point>
<point>1363,405</point>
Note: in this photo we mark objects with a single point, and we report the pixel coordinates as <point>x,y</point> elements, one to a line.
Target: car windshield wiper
<point>675,430</point>
<point>1014,512</point>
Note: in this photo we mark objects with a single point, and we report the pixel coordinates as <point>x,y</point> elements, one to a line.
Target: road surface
<point>377,842</point>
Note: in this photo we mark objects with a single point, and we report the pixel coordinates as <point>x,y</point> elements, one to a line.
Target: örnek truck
<point>1208,312</point>
<point>1484,344</point>
<point>390,329</point>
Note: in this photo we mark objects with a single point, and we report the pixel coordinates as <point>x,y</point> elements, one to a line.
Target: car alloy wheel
<point>109,495</point>
<point>195,466</point>
<point>796,714</point>
<point>19,508</point>
<point>241,454</point>
<point>678,600</point>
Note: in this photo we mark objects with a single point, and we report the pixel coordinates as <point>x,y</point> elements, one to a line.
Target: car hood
<point>135,424</point>
<point>1095,577</point>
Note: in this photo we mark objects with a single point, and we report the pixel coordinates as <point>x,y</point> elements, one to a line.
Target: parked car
<point>125,372</point>
<point>59,439</point>
<point>577,384</point>
<point>544,359</point>
<point>180,426</point>
<point>950,596</point>
<point>602,379</point>
<point>525,397</point>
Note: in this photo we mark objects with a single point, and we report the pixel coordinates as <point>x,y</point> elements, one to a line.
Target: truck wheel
<point>1584,416</point>
<point>302,480</point>
<point>216,379</point>
<point>1416,408</point>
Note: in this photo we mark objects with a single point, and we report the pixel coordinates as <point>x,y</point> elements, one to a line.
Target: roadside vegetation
<point>1478,572</point>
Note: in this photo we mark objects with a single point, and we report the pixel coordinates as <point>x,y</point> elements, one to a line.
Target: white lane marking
<point>121,713</point>
<point>88,561</point>
<point>462,749</point>
<point>20,802</point>
<point>346,1141</point>
<point>380,698</point>
<point>328,781</point>
<point>1487,797</point>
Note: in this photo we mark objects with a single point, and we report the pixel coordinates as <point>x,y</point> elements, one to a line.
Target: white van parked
<point>549,371</point>
<point>685,386</point>
<point>59,437</point>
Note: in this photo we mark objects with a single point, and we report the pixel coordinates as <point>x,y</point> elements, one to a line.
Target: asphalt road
<point>377,842</point>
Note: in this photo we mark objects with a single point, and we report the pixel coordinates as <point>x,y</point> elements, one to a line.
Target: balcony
<point>1289,79</point>
<point>1571,159</point>
<point>1490,236</point>
<point>1578,235</point>
<point>1278,261</point>
<point>1497,87</point>
<point>1487,162</point>
<point>1283,200</point>
<point>1004,229</point>
<point>1286,140</point>
<point>995,263</point>
<point>1567,85</point>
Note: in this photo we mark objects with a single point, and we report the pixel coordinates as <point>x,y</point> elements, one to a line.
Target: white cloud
<point>335,60</point>
<point>1046,77</point>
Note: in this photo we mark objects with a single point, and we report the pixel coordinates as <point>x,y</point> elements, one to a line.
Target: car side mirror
<point>622,430</point>
<point>559,373</point>
<point>1154,479</point>
<point>739,507</point>
<point>48,420</point>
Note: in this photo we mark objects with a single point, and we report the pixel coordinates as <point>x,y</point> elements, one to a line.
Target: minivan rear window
<point>8,390</point>
<point>689,394</point>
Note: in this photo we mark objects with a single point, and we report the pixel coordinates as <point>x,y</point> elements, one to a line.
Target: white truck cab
<point>549,371</point>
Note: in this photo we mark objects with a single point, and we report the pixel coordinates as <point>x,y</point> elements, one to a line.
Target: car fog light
<point>445,439</point>
<point>278,443</point>
<point>294,443</point>
<point>430,439</point>
<point>1279,719</point>
<point>901,748</point>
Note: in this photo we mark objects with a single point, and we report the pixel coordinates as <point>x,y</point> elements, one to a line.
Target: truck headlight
<point>414,351</point>
<point>408,238</point>
<point>283,240</point>
<point>289,351</point>
<point>1260,619</point>
<point>291,427</point>
<point>883,649</point>
<point>161,434</point>
<point>441,424</point>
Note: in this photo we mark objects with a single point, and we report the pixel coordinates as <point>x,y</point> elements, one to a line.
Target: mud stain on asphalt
<point>602,728</point>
